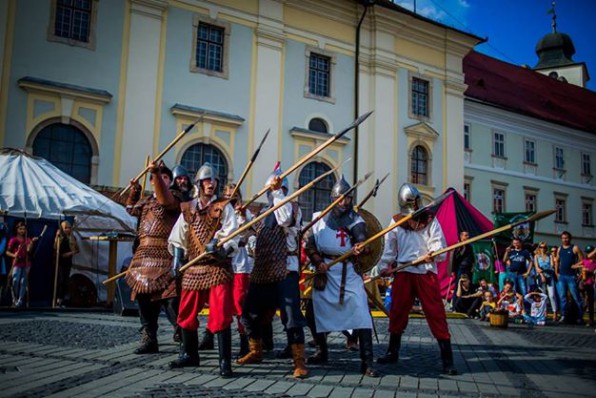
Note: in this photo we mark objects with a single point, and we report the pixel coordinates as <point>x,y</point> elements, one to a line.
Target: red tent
<point>456,214</point>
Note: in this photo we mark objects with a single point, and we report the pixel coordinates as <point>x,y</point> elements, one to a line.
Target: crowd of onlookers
<point>16,258</point>
<point>528,282</point>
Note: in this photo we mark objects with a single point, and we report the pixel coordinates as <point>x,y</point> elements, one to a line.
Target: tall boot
<point>267,335</point>
<point>224,345</point>
<point>366,353</point>
<point>322,354</point>
<point>189,350</point>
<point>447,357</point>
<point>148,342</point>
<point>300,370</point>
<point>255,354</point>
<point>243,346</point>
<point>392,354</point>
<point>206,341</point>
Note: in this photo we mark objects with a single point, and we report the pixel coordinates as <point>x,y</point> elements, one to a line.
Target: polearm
<point>162,153</point>
<point>333,204</point>
<point>504,228</point>
<point>144,184</point>
<point>241,229</point>
<point>249,165</point>
<point>385,231</point>
<point>310,155</point>
<point>259,218</point>
<point>371,194</point>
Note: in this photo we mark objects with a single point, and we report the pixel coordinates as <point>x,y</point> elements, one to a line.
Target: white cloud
<point>463,3</point>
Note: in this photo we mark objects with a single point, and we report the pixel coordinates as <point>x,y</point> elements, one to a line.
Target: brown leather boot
<point>255,354</point>
<point>300,370</point>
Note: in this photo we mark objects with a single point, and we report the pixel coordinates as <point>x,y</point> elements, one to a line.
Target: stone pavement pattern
<point>89,354</point>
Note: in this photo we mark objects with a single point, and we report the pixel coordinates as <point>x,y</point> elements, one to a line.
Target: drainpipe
<point>366,4</point>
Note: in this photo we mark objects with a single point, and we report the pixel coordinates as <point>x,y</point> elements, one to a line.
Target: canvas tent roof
<point>32,187</point>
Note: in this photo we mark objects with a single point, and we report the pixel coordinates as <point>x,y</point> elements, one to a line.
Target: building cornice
<point>33,84</point>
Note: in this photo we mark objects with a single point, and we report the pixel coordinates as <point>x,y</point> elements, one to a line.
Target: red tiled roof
<point>528,92</point>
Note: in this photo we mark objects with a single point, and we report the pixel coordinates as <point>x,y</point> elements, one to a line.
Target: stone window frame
<point>560,198</point>
<point>429,81</point>
<point>494,144</point>
<point>413,147</point>
<point>227,28</point>
<point>499,186</point>
<point>526,161</point>
<point>332,74</point>
<point>90,44</point>
<point>587,202</point>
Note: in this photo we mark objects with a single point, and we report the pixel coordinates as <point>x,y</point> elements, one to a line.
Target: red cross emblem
<point>342,235</point>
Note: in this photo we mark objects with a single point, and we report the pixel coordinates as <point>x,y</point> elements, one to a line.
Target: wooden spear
<point>372,193</point>
<point>310,155</point>
<point>249,165</point>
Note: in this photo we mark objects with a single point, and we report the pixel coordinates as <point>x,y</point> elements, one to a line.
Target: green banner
<point>485,262</point>
<point>524,231</point>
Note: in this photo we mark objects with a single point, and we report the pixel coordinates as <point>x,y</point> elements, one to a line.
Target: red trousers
<point>240,289</point>
<point>406,287</point>
<point>221,307</point>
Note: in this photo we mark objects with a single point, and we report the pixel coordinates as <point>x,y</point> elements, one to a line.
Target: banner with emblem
<point>523,231</point>
<point>485,265</point>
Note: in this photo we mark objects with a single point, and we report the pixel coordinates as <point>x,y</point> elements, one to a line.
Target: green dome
<point>554,49</point>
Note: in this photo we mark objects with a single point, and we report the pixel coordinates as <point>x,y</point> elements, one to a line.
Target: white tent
<point>33,188</point>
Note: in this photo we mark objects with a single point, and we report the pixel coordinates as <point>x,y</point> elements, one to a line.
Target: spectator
<point>537,302</point>
<point>19,249</point>
<point>518,262</point>
<point>464,298</point>
<point>510,301</point>
<point>544,265</point>
<point>588,266</point>
<point>487,306</point>
<point>66,247</point>
<point>463,259</point>
<point>568,254</point>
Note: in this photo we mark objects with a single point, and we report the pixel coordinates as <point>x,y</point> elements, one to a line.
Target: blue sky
<point>514,27</point>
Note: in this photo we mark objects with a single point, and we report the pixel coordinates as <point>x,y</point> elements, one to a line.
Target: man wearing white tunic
<point>415,239</point>
<point>341,303</point>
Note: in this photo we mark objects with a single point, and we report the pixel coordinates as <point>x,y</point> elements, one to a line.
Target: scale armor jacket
<point>150,268</point>
<point>271,251</point>
<point>202,226</point>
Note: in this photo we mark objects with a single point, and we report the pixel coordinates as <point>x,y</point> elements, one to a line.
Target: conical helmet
<point>206,172</point>
<point>340,187</point>
<point>179,171</point>
<point>408,198</point>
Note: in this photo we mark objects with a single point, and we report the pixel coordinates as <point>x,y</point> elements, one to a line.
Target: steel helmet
<point>408,198</point>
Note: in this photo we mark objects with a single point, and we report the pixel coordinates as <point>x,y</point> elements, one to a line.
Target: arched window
<point>317,124</point>
<point>196,155</point>
<point>419,167</point>
<point>67,148</point>
<point>318,197</point>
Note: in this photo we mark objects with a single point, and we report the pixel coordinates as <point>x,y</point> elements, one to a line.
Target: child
<point>537,302</point>
<point>487,305</point>
<point>510,301</point>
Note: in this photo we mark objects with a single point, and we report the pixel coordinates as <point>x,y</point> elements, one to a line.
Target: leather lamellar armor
<point>271,251</point>
<point>202,226</point>
<point>149,271</point>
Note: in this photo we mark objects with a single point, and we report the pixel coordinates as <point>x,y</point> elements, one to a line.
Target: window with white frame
<point>420,97</point>
<point>559,158</point>
<point>587,214</point>
<point>530,151</point>
<point>210,50</point>
<point>586,164</point>
<point>319,75</point>
<point>561,210</point>
<point>467,136</point>
<point>498,144</point>
<point>530,201</point>
<point>73,22</point>
<point>498,200</point>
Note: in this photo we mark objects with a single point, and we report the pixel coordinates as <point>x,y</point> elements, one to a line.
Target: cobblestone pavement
<point>89,354</point>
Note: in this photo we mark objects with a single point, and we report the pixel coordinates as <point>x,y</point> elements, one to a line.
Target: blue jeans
<point>519,283</point>
<point>567,282</point>
<point>19,285</point>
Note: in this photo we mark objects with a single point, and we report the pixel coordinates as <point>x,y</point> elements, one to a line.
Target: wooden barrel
<point>499,319</point>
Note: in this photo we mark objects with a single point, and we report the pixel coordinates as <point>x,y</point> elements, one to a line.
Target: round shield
<point>367,261</point>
